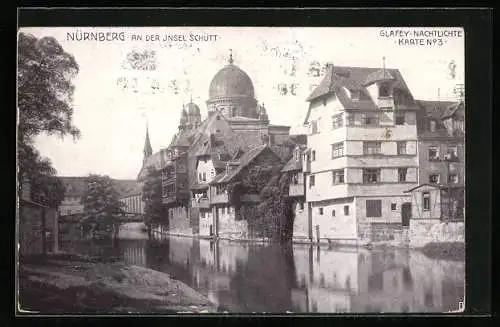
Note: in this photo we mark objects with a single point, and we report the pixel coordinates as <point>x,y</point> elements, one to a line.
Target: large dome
<point>231,81</point>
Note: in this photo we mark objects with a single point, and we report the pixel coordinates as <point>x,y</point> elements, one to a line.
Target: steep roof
<point>341,80</point>
<point>127,187</point>
<point>243,162</point>
<point>77,185</point>
<point>154,160</point>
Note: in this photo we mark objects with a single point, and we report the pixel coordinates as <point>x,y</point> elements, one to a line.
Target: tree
<point>154,210</point>
<point>45,90</point>
<point>44,84</point>
<point>101,203</point>
<point>273,216</point>
<point>46,188</point>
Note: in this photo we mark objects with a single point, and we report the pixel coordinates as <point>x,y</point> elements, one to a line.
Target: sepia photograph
<point>240,170</point>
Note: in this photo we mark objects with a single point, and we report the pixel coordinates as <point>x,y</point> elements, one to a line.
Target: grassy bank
<point>445,251</point>
<point>73,284</point>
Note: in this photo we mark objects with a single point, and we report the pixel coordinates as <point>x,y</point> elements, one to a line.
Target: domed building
<point>232,93</point>
<point>205,154</point>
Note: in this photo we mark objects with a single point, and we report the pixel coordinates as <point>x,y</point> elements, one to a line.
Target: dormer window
<point>383,90</point>
<point>355,95</point>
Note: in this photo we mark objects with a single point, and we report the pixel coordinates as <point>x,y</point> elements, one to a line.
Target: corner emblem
<point>387,133</point>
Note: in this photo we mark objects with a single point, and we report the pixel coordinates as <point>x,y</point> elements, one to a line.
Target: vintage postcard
<point>290,170</point>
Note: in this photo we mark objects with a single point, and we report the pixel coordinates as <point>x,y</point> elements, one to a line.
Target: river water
<point>247,278</point>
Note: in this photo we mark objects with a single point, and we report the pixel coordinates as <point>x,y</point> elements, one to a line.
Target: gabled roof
<point>436,109</point>
<point>243,161</point>
<point>452,109</point>
<point>341,80</point>
<point>154,160</point>
<point>436,186</point>
<point>126,187</point>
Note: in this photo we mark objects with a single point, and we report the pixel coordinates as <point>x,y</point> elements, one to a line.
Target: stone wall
<point>424,231</point>
<point>179,221</point>
<point>391,234</point>
<point>228,226</point>
<point>301,221</point>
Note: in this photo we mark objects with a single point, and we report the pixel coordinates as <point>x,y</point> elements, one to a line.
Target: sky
<point>113,118</point>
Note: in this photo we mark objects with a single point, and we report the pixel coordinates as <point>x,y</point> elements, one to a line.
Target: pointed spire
<point>230,57</point>
<point>148,151</point>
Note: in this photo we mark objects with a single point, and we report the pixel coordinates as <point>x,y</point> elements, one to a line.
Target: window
<point>350,119</point>
<point>402,147</point>
<point>313,155</point>
<point>400,118</point>
<point>374,208</point>
<point>202,214</point>
<point>402,174</point>
<point>338,177</point>
<point>432,126</point>
<point>218,117</point>
<point>433,153</point>
<point>337,121</point>
<point>346,210</point>
<point>355,95</point>
<point>301,205</point>
<point>337,150</point>
<point>370,119</point>
<point>426,200</point>
<point>452,152</point>
<point>383,90</point>
<point>311,180</point>
<point>371,175</point>
<point>372,147</point>
<point>393,206</point>
<point>434,178</point>
<point>223,210</point>
<point>320,211</point>
<point>314,127</point>
<point>453,178</point>
<point>333,213</point>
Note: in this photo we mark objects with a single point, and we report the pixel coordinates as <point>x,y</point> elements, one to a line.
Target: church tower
<point>148,151</point>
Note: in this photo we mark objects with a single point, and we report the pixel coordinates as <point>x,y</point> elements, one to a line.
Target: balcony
<point>296,189</point>
<point>203,203</point>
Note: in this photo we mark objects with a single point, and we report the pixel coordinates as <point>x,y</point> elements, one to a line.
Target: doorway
<point>406,214</point>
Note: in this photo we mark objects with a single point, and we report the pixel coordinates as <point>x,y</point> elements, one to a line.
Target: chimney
<point>26,189</point>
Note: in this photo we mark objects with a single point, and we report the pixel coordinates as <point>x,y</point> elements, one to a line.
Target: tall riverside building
<point>362,153</point>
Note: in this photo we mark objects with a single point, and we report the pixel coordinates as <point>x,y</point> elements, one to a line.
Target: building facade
<point>441,143</point>
<point>362,153</point>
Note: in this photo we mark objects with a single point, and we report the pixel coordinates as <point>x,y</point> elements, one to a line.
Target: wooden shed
<point>440,202</point>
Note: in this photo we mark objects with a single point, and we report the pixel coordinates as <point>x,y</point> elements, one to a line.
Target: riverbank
<point>438,250</point>
<point>73,284</point>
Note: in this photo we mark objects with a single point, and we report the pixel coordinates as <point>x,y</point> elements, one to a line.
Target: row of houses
<point>374,158</point>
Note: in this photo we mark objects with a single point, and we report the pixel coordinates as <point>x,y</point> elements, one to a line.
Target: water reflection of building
<point>251,278</point>
<point>363,281</point>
